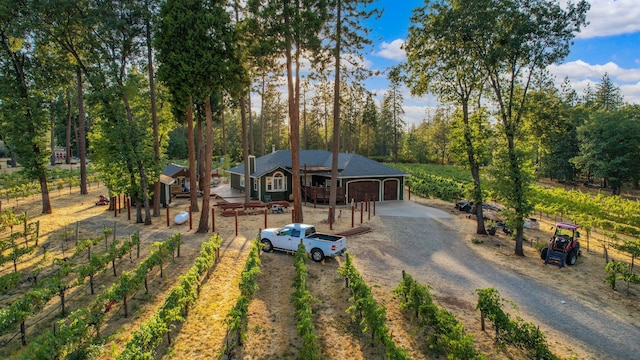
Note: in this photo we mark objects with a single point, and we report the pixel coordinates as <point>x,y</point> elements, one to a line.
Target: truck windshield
<point>310,231</point>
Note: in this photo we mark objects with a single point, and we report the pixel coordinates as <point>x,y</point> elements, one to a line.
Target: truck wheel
<point>266,245</point>
<point>317,255</point>
<point>572,257</point>
<point>543,253</point>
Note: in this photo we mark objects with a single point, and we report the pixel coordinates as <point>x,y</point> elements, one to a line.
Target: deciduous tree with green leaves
<point>24,79</point>
<point>514,41</point>
<point>441,61</point>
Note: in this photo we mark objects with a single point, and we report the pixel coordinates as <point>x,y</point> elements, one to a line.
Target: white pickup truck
<point>288,237</point>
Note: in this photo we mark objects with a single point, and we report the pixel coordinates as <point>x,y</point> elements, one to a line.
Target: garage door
<point>362,190</point>
<point>391,190</point>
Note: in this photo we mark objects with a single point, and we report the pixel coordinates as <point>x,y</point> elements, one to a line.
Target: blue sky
<point>609,44</point>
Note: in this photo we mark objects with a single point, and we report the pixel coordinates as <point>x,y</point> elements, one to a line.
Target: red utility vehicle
<point>564,246</point>
<point>102,200</point>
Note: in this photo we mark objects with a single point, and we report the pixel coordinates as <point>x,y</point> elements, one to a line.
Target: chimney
<point>252,164</point>
<point>273,148</point>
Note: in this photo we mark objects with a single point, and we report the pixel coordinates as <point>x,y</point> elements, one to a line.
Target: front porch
<point>321,194</point>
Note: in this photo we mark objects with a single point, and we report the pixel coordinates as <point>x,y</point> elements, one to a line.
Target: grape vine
<point>364,308</point>
<point>445,334</point>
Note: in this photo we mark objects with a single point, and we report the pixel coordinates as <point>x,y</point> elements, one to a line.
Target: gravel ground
<point>427,243</point>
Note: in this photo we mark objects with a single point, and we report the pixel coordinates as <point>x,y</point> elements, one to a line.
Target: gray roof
<point>349,165</point>
<point>173,169</point>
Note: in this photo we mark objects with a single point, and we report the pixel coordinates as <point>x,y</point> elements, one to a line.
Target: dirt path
<point>272,332</point>
<point>339,337</point>
<point>430,244</point>
<point>202,335</point>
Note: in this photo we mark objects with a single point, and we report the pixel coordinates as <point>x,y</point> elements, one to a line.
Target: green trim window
<point>276,182</point>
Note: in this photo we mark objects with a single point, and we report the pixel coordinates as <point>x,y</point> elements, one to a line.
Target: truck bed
<point>325,237</point>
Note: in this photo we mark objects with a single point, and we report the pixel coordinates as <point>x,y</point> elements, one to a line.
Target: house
<point>173,180</point>
<point>359,178</point>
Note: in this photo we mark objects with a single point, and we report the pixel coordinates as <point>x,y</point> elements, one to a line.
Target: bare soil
<point>272,332</point>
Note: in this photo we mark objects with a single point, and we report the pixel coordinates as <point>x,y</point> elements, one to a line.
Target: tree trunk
<point>52,137</point>
<point>475,168</point>
<point>82,148</point>
<point>192,157</point>
<point>224,135</point>
<point>518,191</point>
<point>245,151</point>
<point>144,191</point>
<point>262,117</point>
<point>252,150</point>
<point>69,129</point>
<point>203,226</point>
<point>305,145</point>
<point>46,203</point>
<point>200,150</point>
<point>294,122</point>
<point>154,121</point>
<point>336,118</point>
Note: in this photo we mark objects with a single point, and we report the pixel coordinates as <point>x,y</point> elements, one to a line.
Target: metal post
<point>352,214</point>
<point>236,215</point>
<point>213,220</point>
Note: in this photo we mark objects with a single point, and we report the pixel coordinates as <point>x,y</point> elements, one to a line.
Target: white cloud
<point>631,92</point>
<point>581,74</point>
<point>611,17</point>
<point>393,50</point>
<point>581,69</point>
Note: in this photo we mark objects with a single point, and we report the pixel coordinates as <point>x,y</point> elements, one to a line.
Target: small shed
<point>174,178</point>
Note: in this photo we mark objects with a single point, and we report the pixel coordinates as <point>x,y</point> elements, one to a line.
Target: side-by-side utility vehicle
<point>564,246</point>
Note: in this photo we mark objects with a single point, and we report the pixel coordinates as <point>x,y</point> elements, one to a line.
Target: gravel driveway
<point>426,242</point>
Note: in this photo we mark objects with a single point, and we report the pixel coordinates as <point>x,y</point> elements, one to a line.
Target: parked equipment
<point>564,246</point>
<point>102,200</point>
